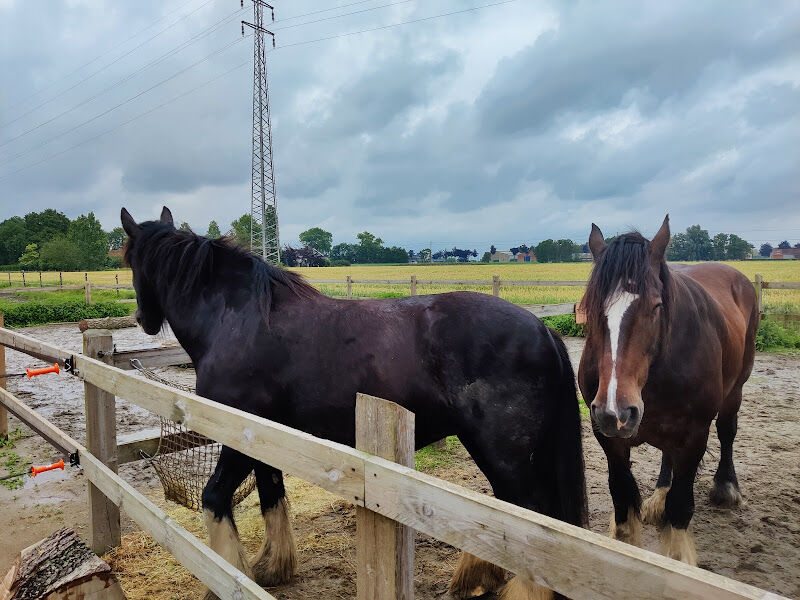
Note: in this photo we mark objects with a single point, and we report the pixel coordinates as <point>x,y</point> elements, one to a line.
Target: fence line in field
<point>568,559</point>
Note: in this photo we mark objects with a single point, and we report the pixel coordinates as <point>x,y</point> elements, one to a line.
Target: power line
<point>103,68</point>
<point>392,25</point>
<point>98,57</point>
<point>355,12</point>
<point>124,102</point>
<point>200,35</point>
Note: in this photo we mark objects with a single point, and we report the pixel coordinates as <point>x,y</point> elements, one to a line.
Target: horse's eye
<point>657,307</point>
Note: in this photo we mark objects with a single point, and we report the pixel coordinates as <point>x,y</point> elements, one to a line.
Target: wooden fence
<point>496,283</point>
<point>571,560</point>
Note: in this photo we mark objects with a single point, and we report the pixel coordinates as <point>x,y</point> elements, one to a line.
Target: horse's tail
<point>570,474</point>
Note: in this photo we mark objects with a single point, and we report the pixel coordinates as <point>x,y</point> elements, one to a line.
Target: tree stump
<point>60,567</point>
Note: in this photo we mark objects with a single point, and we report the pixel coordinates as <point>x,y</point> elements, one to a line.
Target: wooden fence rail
<point>568,559</point>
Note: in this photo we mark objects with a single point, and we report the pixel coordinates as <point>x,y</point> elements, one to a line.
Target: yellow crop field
<point>770,270</point>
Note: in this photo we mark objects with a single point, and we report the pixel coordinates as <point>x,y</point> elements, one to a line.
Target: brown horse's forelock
<point>623,265</point>
<point>183,263</point>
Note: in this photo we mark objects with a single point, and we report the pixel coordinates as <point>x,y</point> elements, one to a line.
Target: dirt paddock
<point>758,543</point>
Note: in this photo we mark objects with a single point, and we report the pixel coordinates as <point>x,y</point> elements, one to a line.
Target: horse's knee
<point>475,577</point>
<point>276,560</point>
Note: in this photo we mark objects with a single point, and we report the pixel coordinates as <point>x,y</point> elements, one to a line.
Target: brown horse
<point>668,348</point>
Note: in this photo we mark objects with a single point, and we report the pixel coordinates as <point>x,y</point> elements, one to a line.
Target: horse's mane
<point>182,264</point>
<point>624,264</point>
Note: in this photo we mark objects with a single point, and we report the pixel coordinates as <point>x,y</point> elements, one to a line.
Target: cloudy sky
<point>511,123</point>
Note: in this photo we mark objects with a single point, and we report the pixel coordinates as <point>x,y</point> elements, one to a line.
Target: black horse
<point>264,341</point>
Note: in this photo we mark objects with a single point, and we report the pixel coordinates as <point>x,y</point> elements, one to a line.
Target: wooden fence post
<point>759,293</point>
<point>101,441</point>
<point>60,279</point>
<point>40,279</point>
<point>116,278</point>
<point>87,288</point>
<point>413,285</point>
<point>23,278</point>
<point>384,548</point>
<point>495,285</point>
<point>3,411</point>
<point>349,287</point>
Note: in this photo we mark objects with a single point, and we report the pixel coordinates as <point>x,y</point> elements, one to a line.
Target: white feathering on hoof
<point>653,507</point>
<point>678,544</point>
<point>475,577</point>
<point>276,561</point>
<point>524,589</point>
<point>224,540</point>
<point>629,532</point>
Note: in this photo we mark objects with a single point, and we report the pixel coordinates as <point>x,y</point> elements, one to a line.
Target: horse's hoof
<point>475,578</point>
<point>726,495</point>
<point>653,507</point>
<point>522,589</point>
<point>267,575</point>
<point>630,531</point>
<point>678,544</point>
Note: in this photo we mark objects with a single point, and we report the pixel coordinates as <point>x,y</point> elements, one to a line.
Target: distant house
<point>525,257</point>
<point>585,256</point>
<point>502,257</point>
<point>785,253</point>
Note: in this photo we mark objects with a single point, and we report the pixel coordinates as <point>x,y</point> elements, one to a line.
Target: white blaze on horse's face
<point>615,309</point>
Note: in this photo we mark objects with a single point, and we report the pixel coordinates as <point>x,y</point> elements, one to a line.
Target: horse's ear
<point>659,243</point>
<point>166,216</point>
<point>128,224</point>
<point>596,242</point>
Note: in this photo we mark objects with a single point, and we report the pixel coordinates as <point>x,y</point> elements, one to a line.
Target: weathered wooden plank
<point>107,323</point>
<point>32,347</point>
<point>573,561</point>
<point>53,288</point>
<point>385,549</point>
<point>130,451</point>
<point>335,467</point>
<point>101,441</point>
<point>549,310</point>
<point>781,285</point>
<point>152,357</point>
<point>209,567</point>
<point>3,411</point>
<point>545,282</point>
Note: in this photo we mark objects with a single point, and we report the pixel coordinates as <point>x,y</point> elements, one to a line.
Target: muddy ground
<point>757,544</point>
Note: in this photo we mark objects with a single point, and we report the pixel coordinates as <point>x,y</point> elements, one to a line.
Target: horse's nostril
<point>629,415</point>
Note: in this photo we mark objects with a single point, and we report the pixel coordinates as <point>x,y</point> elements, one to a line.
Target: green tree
<point>241,230</point>
<point>765,250</point>
<point>46,225</point>
<point>317,238</point>
<point>185,226</point>
<point>213,230</point>
<point>784,245</point>
<point>738,248</point>
<point>369,247</point>
<point>13,239</point>
<point>719,246</point>
<point>487,257</point>
<point>30,258</point>
<point>116,239</point>
<point>61,254</point>
<point>87,234</point>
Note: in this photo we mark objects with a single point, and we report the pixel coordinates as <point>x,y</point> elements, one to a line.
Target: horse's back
<point>734,298</point>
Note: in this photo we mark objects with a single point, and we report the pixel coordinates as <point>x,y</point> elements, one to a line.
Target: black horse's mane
<point>181,264</point>
<point>623,264</point>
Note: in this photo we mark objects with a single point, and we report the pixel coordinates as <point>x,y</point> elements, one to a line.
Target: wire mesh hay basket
<point>185,459</point>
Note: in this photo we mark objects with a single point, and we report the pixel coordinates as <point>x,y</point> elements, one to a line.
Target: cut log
<point>107,323</point>
<point>60,567</point>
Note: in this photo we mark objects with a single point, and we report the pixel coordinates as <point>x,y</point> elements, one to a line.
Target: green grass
<point>11,461</point>
<point>430,458</point>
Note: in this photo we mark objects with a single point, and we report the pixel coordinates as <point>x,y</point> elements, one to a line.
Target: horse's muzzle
<point>622,422</point>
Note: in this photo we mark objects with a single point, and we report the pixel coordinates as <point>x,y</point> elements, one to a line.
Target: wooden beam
<point>759,295</point>
<point>32,347</point>
<point>209,567</point>
<point>781,285</point>
<point>3,411</point>
<point>549,310</point>
<point>152,357</point>
<point>576,562</point>
<point>385,550</point>
<point>130,451</point>
<point>101,440</point>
